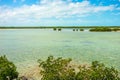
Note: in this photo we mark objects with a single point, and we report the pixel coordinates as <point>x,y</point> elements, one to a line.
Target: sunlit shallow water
<point>25,47</point>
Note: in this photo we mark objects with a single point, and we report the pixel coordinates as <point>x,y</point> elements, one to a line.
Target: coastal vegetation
<point>56,69</point>
<point>74,28</point>
<point>51,27</point>
<point>59,29</point>
<point>104,29</point>
<point>81,29</point>
<point>55,29</point>
<point>116,29</point>
<point>7,69</point>
<point>61,69</point>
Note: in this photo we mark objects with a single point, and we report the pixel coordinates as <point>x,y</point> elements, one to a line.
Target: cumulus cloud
<point>48,9</point>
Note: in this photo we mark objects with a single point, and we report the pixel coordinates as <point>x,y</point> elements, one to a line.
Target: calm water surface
<point>25,47</point>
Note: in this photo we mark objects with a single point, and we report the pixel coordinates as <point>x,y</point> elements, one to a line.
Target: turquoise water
<point>25,47</point>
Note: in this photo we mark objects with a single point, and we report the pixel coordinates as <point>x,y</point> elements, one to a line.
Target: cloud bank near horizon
<point>59,12</point>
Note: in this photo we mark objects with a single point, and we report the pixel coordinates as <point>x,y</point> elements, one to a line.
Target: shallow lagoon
<point>24,47</point>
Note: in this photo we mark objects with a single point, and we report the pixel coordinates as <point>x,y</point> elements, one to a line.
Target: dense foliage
<point>104,29</point>
<point>97,71</point>
<point>61,69</point>
<point>57,69</point>
<point>7,69</point>
<point>116,29</point>
<point>101,29</point>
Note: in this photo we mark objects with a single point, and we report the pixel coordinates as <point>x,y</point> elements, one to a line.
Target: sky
<point>59,12</point>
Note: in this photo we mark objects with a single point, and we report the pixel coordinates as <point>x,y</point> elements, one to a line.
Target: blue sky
<point>59,12</point>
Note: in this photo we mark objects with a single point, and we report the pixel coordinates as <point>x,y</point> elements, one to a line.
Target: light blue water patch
<point>25,47</point>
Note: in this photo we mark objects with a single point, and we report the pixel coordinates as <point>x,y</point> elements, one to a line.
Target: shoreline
<point>31,73</point>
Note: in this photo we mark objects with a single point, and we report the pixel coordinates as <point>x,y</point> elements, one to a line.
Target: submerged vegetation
<point>61,69</point>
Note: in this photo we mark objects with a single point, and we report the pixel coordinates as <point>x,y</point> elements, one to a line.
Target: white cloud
<point>49,9</point>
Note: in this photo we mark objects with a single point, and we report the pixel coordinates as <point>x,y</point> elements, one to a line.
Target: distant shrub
<point>59,29</point>
<point>81,29</point>
<point>60,69</point>
<point>76,29</point>
<point>116,29</point>
<point>54,29</point>
<point>73,29</point>
<point>101,29</point>
<point>7,69</point>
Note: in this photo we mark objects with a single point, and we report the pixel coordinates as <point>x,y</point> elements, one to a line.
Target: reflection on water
<point>24,47</point>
